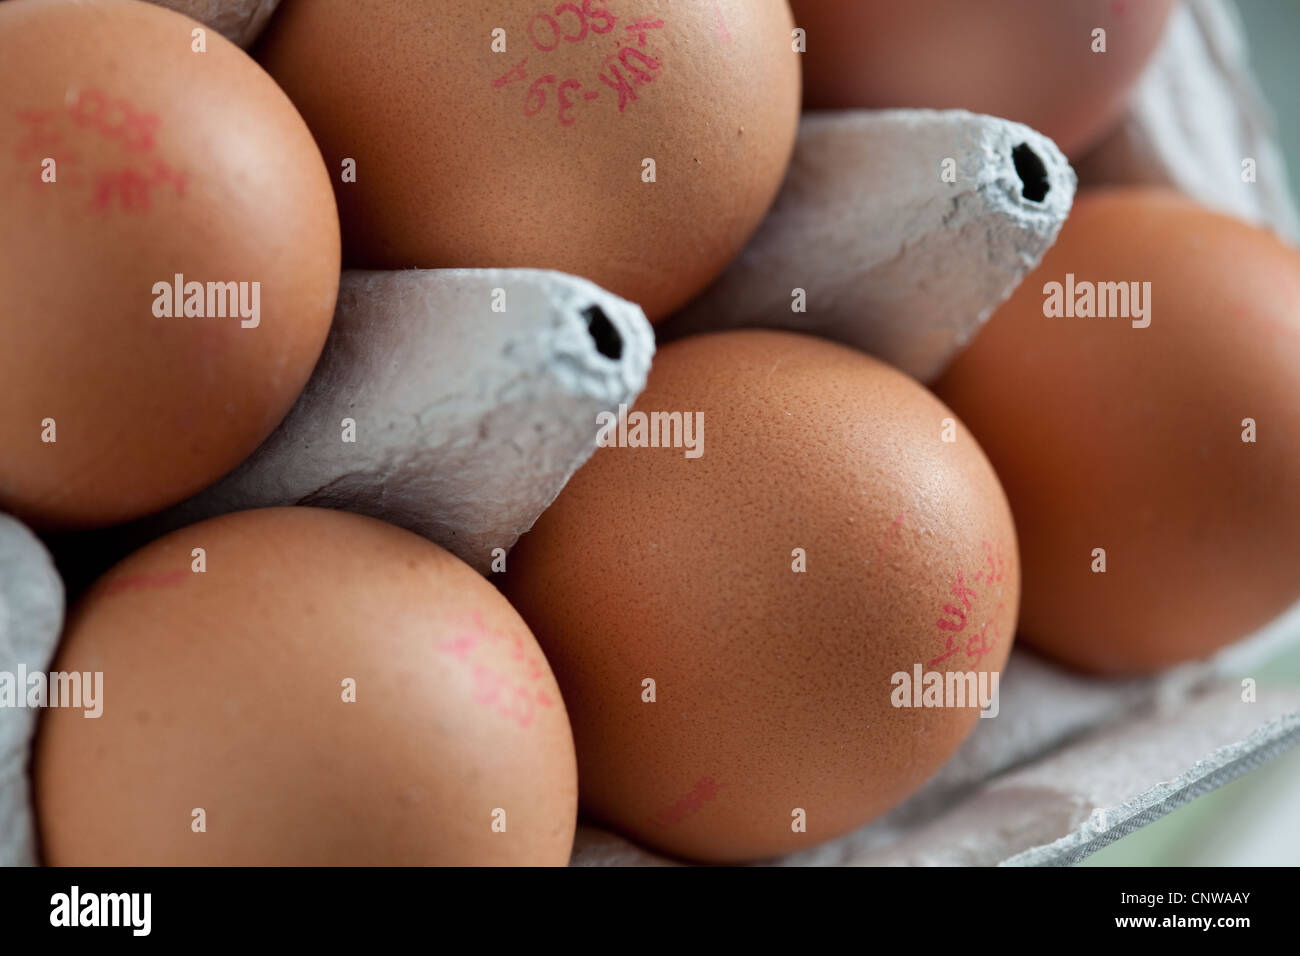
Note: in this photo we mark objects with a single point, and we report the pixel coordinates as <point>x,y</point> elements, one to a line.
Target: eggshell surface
<point>727,628</point>
<point>331,690</point>
<point>1035,62</point>
<point>127,159</point>
<point>636,143</point>
<point>1152,469</point>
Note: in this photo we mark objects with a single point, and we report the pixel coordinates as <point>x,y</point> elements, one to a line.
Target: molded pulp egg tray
<point>1070,763</point>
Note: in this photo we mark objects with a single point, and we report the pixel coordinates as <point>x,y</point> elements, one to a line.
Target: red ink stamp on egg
<point>514,76</point>
<point>639,29</point>
<point>511,698</point>
<point>145,582</point>
<point>891,537</point>
<point>42,134</point>
<point>981,643</point>
<point>123,173</point>
<point>620,68</point>
<point>961,605</point>
<point>720,23</point>
<point>583,25</point>
<point>705,790</point>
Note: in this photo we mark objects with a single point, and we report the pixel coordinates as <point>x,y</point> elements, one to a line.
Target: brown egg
<point>765,593</point>
<point>330,690</point>
<point>1132,441</point>
<point>537,155</point>
<point>1025,60</point>
<point>128,160</point>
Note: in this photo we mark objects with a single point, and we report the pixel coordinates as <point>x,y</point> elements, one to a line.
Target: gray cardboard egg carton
<point>1071,763</point>
<point>474,393</point>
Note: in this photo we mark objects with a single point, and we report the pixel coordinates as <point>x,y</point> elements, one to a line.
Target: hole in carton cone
<point>608,342</point>
<point>1032,173</point>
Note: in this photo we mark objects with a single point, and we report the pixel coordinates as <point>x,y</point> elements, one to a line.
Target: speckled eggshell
<point>1032,61</point>
<point>1130,440</point>
<point>535,156</point>
<point>165,161</point>
<point>772,686</point>
<point>225,691</point>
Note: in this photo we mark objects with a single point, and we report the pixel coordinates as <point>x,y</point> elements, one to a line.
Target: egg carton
<point>239,21</point>
<point>898,232</point>
<point>473,395</point>
<point>501,406</point>
<point>1071,763</point>
<point>31,617</point>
